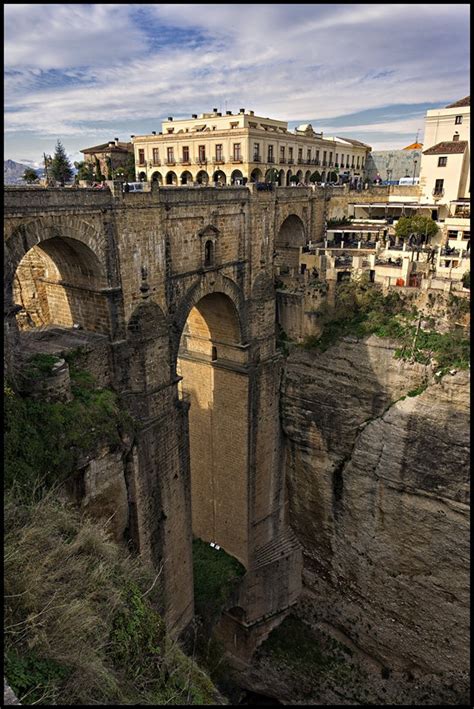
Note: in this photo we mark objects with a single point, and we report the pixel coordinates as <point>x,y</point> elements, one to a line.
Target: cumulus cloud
<point>69,67</point>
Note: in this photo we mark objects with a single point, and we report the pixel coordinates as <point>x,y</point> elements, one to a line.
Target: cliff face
<point>378,496</point>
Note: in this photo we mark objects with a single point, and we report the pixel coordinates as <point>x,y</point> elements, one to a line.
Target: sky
<point>87,73</point>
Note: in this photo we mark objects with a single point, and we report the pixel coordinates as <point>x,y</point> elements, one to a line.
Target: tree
<point>315,177</point>
<point>466,280</point>
<point>98,172</point>
<point>30,175</point>
<point>109,167</point>
<point>423,228</point>
<point>84,171</point>
<point>61,169</point>
<point>129,168</point>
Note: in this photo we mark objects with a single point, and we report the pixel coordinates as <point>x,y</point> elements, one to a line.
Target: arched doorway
<point>236,178</point>
<point>307,176</point>
<point>281,178</point>
<point>171,178</point>
<point>219,177</point>
<point>289,175</point>
<point>60,282</point>
<point>256,175</point>
<point>142,176</point>
<point>186,178</point>
<point>202,178</point>
<point>271,175</point>
<point>157,177</point>
<point>289,239</point>
<point>299,176</point>
<point>214,383</point>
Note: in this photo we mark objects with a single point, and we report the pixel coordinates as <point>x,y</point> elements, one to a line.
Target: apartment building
<point>235,148</point>
<point>445,175</point>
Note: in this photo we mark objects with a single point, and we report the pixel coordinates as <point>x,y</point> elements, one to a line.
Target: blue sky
<point>86,73</point>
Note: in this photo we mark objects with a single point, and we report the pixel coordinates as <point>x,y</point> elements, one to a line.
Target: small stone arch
<point>157,177</point>
<point>307,176</point>
<point>289,175</point>
<point>299,175</point>
<point>219,177</point>
<point>256,175</point>
<point>236,177</point>
<point>186,178</point>
<point>171,178</point>
<point>202,178</point>
<point>291,232</point>
<point>281,178</point>
<point>142,176</point>
<point>209,253</point>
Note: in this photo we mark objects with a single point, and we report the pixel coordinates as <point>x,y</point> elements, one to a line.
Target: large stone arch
<point>289,238</point>
<point>207,284</point>
<point>148,348</point>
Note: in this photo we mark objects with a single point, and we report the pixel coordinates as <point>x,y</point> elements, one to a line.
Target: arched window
<point>209,253</point>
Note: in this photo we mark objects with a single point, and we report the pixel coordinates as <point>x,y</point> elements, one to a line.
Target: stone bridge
<point>179,283</point>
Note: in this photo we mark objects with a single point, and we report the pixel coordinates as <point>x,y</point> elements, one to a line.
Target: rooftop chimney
<point>153,132</point>
<point>228,113</point>
<point>195,115</point>
<point>170,118</point>
<point>218,113</point>
<point>242,110</point>
<point>116,141</point>
<point>132,136</point>
<point>214,110</point>
<point>251,113</point>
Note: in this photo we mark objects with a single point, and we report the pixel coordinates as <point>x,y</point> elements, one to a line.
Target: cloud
<point>71,70</point>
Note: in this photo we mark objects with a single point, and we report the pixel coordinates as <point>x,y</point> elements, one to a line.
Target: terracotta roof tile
<point>105,148</point>
<point>466,101</point>
<point>448,147</point>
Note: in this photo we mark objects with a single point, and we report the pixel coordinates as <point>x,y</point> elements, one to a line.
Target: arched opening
<point>236,178</point>
<point>157,177</point>
<point>290,237</point>
<point>60,282</point>
<point>219,177</point>
<point>171,178</point>
<point>289,175</point>
<point>281,178</point>
<point>214,382</point>
<point>299,176</point>
<point>307,176</point>
<point>209,253</point>
<point>186,178</point>
<point>202,178</point>
<point>271,175</point>
<point>142,176</point>
<point>256,175</point>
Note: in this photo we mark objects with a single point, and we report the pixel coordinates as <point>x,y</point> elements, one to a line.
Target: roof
<point>448,147</point>
<point>353,142</point>
<point>414,146</point>
<point>107,148</point>
<point>466,101</point>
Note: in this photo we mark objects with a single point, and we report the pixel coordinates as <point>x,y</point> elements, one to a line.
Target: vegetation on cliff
<point>361,309</point>
<point>81,625</point>
<point>44,440</point>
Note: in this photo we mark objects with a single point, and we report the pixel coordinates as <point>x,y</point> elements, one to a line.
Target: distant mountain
<point>13,172</point>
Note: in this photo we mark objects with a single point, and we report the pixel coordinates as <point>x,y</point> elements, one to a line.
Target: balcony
<point>219,160</point>
<point>257,158</point>
<point>185,161</point>
<point>236,160</point>
<point>282,161</point>
<point>142,164</point>
<point>290,161</point>
<point>155,163</point>
<point>324,163</point>
<point>270,159</point>
<point>317,162</point>
<point>437,193</point>
<point>201,161</point>
<point>170,161</point>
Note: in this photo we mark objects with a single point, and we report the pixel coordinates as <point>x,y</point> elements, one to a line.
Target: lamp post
<point>414,170</point>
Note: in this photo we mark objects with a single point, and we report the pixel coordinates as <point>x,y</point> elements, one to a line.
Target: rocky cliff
<point>377,461</point>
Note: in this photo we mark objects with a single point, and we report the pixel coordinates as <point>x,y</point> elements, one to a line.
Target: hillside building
<point>110,155</point>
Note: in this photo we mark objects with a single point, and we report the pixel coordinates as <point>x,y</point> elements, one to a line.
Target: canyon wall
<point>378,497</point>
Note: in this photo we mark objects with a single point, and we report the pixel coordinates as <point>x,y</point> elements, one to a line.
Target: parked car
<point>133,186</point>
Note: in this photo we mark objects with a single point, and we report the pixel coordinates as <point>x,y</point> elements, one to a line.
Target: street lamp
<point>414,170</point>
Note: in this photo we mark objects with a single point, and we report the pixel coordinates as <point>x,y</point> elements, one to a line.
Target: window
<point>352,164</point>
<point>337,159</point>
<point>141,156</point>
<point>282,153</point>
<point>300,154</point>
<point>270,153</point>
<point>256,151</point>
<point>438,189</point>
<point>342,160</point>
<point>219,152</point>
<point>156,156</point>
<point>358,161</point>
<point>202,153</point>
<point>308,155</point>
<point>236,151</point>
<point>330,158</point>
<point>170,155</point>
<point>458,120</point>
<point>209,253</point>
<point>290,153</point>
<point>324,157</point>
<point>456,136</point>
<point>213,353</point>
<point>185,153</point>
<point>442,162</point>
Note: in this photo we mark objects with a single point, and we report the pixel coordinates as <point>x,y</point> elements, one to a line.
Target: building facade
<point>236,148</point>
<point>392,165</point>
<point>110,156</point>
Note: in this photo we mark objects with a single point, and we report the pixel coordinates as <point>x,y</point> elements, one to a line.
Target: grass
<point>216,574</point>
<point>43,440</point>
<point>81,618</point>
